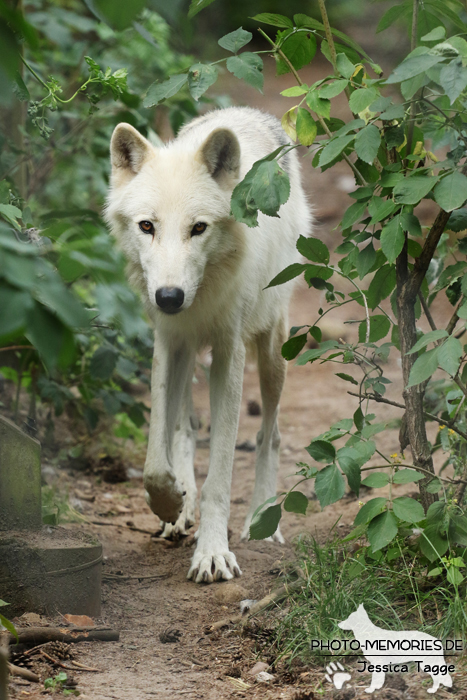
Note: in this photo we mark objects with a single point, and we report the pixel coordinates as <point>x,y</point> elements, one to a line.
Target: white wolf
<point>401,647</point>
<point>202,277</point>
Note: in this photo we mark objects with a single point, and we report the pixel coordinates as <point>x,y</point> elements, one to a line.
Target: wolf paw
<point>208,567</point>
<point>180,529</point>
<point>165,496</point>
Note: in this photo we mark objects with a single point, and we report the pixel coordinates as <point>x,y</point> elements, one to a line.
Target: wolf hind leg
<point>272,369</point>
<point>184,446</point>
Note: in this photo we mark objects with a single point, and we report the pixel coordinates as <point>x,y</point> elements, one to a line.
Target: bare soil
<point>214,666</point>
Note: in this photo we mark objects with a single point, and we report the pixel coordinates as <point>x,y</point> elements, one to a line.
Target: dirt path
<point>213,666</point>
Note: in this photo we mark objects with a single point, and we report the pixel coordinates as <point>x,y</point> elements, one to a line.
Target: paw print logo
<point>337,675</point>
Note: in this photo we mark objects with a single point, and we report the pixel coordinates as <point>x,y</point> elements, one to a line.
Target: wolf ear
<point>221,155</point>
<point>128,149</point>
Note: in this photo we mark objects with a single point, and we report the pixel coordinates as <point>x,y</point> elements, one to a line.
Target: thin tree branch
<point>427,311</point>
<point>380,399</point>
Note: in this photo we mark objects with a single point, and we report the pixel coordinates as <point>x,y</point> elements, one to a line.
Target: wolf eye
<point>199,227</point>
<point>146,227</point>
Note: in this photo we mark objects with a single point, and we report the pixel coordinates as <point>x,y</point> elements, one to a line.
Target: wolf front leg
<point>171,369</point>
<point>212,559</point>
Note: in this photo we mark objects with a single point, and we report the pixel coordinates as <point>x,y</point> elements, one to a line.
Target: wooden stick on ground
<point>259,606</point>
<point>23,673</point>
<point>39,635</point>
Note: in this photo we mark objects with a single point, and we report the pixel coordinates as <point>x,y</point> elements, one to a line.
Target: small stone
<point>264,677</point>
<point>246,604</point>
<point>253,408</point>
<point>259,667</point>
<point>31,618</point>
<point>230,593</point>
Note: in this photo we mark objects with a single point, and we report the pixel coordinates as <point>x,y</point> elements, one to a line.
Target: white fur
<point>222,273</point>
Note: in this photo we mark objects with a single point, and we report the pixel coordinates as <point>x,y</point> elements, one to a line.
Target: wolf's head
<point>355,620</point>
<point>170,210</point>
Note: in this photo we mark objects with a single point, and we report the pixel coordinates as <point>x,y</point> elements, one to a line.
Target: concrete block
<point>20,479</point>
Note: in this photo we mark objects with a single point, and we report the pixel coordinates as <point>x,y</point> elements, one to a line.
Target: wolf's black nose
<point>170,299</point>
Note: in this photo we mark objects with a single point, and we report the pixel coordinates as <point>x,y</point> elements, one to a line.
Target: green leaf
<point>333,89</point>
<point>103,363</point>
<point>270,187</point>
<point>367,143</point>
<point>8,625</point>
<point>265,523</point>
<point>407,476</point>
<point>306,127</point>
<point>365,260</point>
<point>362,98</point>
<point>458,221</point>
<point>334,148</point>
<point>292,347</point>
<point>451,192</point>
<point>380,208</point>
<point>248,67</point>
<point>344,66</point>
<point>379,328</point>
<point>458,529</point>
<point>426,339</point>
<point>396,12</point>
<point>313,249</point>
<point>321,451</point>
<point>376,480</point>
<point>46,333</point>
<point>454,576</point>
<point>436,34</point>
<point>329,485</point>
<point>359,419</point>
<point>13,309</point>
<point>353,214</point>
<point>196,6</point>
<point>408,509</point>
<point>290,272</point>
<point>20,89</point>
<point>449,355</point>
<point>158,92</point>
<point>295,91</point>
<point>432,544</point>
<point>382,530</point>
<point>435,486</point>
<point>413,65</point>
<point>311,355</point>
<point>235,40</point>
<point>52,293</point>
<point>370,510</point>
<point>392,239</point>
<point>453,79</point>
<point>412,189</point>
<point>296,502</point>
<point>200,77</point>
<point>381,285</point>
<point>319,105</point>
<point>424,367</point>
<point>274,20</point>
<point>435,572</point>
<point>347,378</point>
<point>116,15</point>
<point>350,462</point>
<point>300,49</point>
